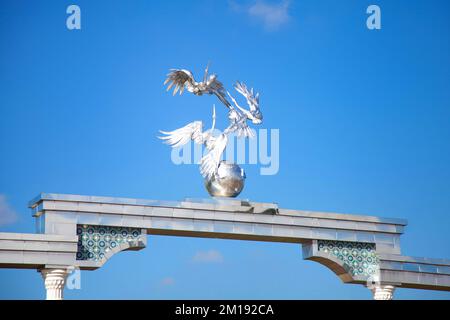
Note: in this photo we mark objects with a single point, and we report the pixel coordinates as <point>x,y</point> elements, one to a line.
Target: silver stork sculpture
<point>221,178</point>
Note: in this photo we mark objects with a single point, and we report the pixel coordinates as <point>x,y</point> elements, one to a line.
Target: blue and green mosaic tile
<point>359,258</point>
<point>95,241</point>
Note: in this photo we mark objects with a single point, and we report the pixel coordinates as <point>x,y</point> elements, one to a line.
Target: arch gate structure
<point>85,231</point>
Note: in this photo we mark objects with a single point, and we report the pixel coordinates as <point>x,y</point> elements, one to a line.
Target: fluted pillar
<point>383,292</point>
<point>54,280</point>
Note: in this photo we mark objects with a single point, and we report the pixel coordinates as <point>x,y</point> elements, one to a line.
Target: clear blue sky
<point>363,118</point>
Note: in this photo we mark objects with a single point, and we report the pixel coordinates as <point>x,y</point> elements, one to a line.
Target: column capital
<point>383,292</point>
<point>54,280</point>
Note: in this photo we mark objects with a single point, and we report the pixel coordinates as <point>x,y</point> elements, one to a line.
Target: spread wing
<point>179,137</point>
<point>180,78</point>
<point>252,98</point>
<point>210,162</point>
<point>221,95</point>
<point>216,86</point>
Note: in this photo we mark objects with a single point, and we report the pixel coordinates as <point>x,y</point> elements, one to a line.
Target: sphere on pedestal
<point>228,182</point>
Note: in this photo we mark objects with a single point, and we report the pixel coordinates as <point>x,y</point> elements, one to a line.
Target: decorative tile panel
<point>95,241</point>
<point>360,259</point>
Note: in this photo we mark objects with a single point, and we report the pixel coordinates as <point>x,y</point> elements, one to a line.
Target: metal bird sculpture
<point>181,79</point>
<point>237,115</point>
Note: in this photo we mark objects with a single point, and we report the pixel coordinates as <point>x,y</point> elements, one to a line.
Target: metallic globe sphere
<point>229,182</point>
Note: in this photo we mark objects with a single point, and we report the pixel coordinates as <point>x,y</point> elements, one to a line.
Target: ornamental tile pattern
<point>360,259</point>
<point>95,241</point>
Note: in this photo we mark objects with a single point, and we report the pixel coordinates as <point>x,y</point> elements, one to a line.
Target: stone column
<point>54,280</point>
<point>383,292</point>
